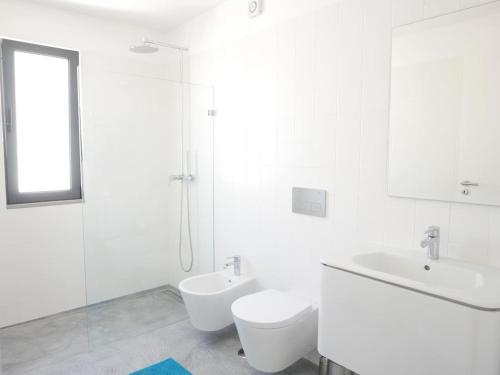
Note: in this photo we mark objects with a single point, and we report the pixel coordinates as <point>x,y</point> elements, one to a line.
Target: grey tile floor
<point>122,336</point>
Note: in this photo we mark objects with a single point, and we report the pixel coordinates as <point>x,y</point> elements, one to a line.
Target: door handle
<point>469,183</point>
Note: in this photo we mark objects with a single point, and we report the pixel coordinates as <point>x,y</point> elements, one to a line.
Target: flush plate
<point>309,201</point>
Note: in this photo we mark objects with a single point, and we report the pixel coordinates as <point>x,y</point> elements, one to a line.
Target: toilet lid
<point>270,309</point>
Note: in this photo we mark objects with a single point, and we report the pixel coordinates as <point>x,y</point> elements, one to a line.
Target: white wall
<point>302,97</point>
<point>302,94</point>
<point>128,154</point>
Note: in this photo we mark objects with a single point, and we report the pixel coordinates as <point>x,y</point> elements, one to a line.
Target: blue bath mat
<point>167,367</point>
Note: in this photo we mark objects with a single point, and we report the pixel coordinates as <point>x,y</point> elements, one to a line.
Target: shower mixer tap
<point>181,177</point>
<point>176,177</point>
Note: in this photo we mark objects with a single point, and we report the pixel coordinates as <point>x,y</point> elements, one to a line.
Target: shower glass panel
<point>132,208</point>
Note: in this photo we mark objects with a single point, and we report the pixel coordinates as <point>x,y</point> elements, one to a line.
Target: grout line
<point>361,117</point>
<point>414,229</point>
<point>85,280</point>
<point>337,107</point>
<point>488,247</point>
<point>213,123</point>
<point>450,206</point>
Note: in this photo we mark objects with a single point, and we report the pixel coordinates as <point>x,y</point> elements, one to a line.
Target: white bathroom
<point>244,187</point>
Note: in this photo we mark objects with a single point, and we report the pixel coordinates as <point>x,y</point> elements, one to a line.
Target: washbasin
<point>208,298</point>
<point>414,270</point>
<point>393,312</point>
<point>463,282</point>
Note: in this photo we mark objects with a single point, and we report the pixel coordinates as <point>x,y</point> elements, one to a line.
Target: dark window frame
<point>14,197</point>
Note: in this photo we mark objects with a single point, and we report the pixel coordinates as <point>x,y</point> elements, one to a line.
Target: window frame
<point>7,77</point>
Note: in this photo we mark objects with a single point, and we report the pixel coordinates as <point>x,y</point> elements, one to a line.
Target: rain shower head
<point>148,46</point>
<point>143,48</point>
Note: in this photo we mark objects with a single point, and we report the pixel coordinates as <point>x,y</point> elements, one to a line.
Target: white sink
<point>460,281</point>
<point>208,298</point>
<point>396,312</point>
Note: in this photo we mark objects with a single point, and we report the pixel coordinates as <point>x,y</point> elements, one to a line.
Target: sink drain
<point>241,353</point>
<point>427,268</point>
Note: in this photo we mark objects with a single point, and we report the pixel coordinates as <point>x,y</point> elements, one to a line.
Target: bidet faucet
<point>236,263</point>
<point>432,242</point>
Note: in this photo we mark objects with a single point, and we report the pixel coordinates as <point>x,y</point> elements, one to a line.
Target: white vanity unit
<point>398,312</point>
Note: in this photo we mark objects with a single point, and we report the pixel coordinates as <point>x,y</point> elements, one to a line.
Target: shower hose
<point>189,267</point>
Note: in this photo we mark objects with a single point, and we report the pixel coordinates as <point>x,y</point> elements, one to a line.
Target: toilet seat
<point>270,309</point>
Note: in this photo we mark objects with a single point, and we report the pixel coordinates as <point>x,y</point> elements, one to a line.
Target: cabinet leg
<point>324,366</point>
<point>327,367</point>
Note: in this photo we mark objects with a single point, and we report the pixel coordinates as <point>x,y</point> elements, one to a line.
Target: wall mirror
<point>445,108</point>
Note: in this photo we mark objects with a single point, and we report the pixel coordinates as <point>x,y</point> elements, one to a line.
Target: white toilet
<point>276,329</point>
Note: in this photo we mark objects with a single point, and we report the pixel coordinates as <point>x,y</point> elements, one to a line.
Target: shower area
<point>148,173</point>
<point>149,223</point>
<point>146,220</point>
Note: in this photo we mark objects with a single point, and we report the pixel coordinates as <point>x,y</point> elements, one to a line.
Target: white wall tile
<point>469,224</point>
<point>471,253</point>
<point>469,232</point>
<point>472,3</point>
<point>372,198</point>
<point>494,233</point>
<point>407,11</point>
<point>332,76</point>
<point>399,219</point>
<point>434,8</point>
<point>41,271</point>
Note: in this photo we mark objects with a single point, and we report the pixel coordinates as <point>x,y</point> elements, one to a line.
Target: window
<point>41,123</point>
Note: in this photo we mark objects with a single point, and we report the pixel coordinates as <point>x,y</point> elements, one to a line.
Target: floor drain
<point>241,353</point>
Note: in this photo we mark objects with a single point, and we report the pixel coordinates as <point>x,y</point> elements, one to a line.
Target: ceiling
<point>160,15</point>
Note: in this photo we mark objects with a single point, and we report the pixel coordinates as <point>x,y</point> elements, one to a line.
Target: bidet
<point>208,298</point>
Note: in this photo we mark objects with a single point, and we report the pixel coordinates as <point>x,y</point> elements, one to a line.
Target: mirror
<point>445,108</point>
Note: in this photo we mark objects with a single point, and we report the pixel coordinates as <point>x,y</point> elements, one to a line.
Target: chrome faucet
<point>432,242</point>
<point>181,177</point>
<point>236,263</point>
